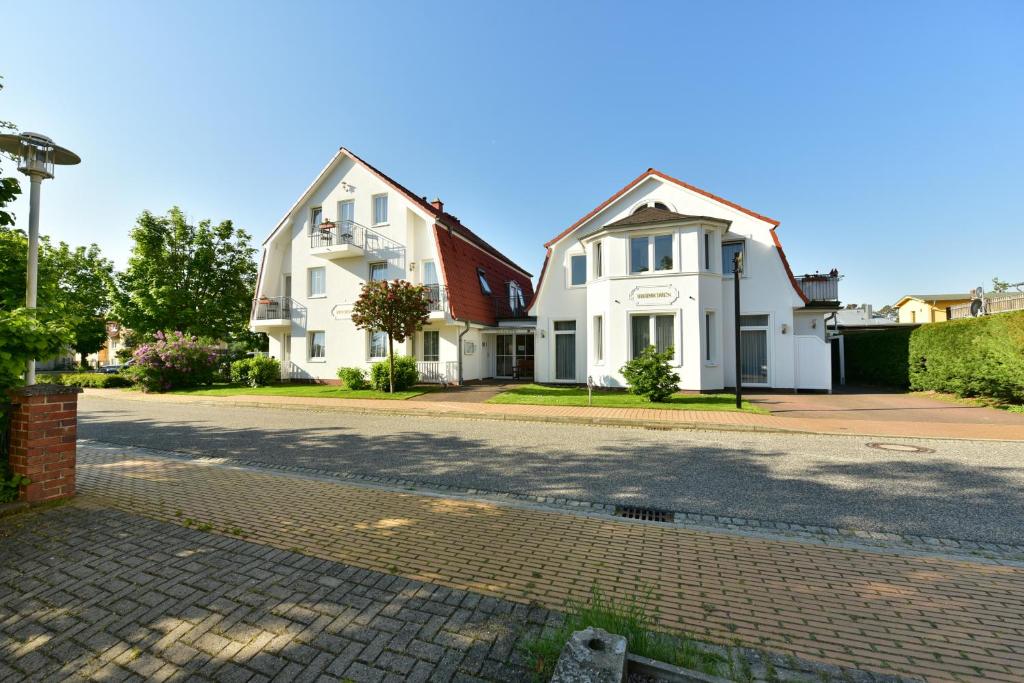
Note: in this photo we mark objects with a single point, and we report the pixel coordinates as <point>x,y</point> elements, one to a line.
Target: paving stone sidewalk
<point>933,617</point>
<point>99,594</point>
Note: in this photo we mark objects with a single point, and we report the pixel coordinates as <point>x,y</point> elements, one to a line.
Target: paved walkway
<point>643,417</point>
<point>883,406</point>
<point>935,617</point>
<point>97,594</point>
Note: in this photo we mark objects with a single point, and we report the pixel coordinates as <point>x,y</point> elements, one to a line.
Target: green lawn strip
<point>303,390</point>
<point>535,394</point>
<point>626,618</point>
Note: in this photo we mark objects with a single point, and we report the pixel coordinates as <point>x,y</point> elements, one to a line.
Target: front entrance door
<point>504,357</point>
<point>565,350</point>
<point>754,350</point>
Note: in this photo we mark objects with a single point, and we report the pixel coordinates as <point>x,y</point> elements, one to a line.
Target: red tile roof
<point>460,258</point>
<point>656,173</point>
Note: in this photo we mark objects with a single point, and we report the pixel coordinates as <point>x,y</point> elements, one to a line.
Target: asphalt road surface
<point>965,490</point>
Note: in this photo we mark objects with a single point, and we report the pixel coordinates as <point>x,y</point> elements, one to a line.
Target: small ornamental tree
<point>650,374</point>
<point>397,308</point>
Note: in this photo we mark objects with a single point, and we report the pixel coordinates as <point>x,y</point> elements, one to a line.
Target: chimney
<point>438,204</point>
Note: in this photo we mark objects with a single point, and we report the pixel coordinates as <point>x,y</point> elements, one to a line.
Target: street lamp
<point>37,156</point>
<point>737,269</point>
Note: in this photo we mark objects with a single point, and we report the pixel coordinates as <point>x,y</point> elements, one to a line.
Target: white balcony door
<point>429,273</point>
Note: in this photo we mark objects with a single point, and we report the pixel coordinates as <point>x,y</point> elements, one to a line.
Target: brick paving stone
<point>181,642</point>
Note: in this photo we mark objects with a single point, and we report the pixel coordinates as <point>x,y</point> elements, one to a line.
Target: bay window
<point>661,328</point>
<point>651,252</point>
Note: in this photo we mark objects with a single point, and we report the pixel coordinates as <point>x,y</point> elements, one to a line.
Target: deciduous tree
<point>397,308</point>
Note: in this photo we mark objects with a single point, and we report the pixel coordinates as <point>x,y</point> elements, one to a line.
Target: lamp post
<point>737,269</point>
<point>37,156</point>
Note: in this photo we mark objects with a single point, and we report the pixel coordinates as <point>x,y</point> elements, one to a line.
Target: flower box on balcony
<point>327,225</point>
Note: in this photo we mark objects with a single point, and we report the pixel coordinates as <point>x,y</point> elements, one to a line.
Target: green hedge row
<point>878,357</point>
<point>94,380</point>
<point>970,357</point>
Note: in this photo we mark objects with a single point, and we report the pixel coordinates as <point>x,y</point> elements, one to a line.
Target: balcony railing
<point>821,288</point>
<point>273,308</point>
<point>438,371</point>
<point>509,308</point>
<point>438,297</point>
<point>332,234</point>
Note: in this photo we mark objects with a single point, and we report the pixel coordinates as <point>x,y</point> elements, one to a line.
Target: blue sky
<point>888,138</point>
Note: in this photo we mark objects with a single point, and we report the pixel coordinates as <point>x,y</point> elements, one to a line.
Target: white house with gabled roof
<point>652,266</point>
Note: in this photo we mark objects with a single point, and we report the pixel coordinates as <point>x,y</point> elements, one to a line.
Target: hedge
<point>971,357</point>
<point>95,380</point>
<point>879,357</point>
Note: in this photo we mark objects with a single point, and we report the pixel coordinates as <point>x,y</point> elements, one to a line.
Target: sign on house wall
<point>653,295</point>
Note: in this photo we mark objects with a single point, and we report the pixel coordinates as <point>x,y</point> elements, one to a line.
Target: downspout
<point>462,334</point>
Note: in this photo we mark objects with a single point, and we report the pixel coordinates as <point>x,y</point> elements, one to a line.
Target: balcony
<point>821,289</point>
<point>509,308</point>
<point>270,312</point>
<point>348,239</point>
<point>437,295</point>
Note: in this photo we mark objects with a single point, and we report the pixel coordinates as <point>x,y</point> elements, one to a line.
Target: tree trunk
<point>391,363</point>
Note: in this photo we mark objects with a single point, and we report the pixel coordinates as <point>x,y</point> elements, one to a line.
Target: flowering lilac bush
<point>173,362</point>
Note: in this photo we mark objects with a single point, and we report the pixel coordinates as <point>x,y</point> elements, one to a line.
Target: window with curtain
<point>429,273</point>
<point>578,270</point>
<point>317,282</point>
<point>346,214</point>
<point>378,271</point>
<point>378,344</point>
<point>730,249</point>
<point>641,330</point>
<point>317,345</point>
<point>431,345</point>
<point>380,209</point>
<point>664,332</point>
<point>638,261</point>
<point>598,338</point>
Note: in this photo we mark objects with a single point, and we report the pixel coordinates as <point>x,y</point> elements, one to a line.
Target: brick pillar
<point>44,425</point>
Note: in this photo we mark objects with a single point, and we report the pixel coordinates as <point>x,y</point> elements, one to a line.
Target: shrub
<point>406,374</point>
<point>258,371</point>
<point>878,357</point>
<point>971,357</point>
<point>650,375</point>
<point>354,378</point>
<point>94,380</point>
<point>172,363</point>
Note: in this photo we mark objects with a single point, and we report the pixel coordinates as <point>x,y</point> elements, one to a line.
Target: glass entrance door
<point>754,349</point>
<point>504,356</point>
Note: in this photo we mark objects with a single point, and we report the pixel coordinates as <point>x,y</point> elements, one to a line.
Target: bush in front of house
<point>172,362</point>
<point>650,375</point>
<point>258,371</point>
<point>353,378</point>
<point>406,374</point>
<point>971,357</point>
<point>93,380</point>
<point>878,357</point>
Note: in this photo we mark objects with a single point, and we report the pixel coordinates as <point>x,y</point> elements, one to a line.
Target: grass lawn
<point>305,390</point>
<point>535,394</point>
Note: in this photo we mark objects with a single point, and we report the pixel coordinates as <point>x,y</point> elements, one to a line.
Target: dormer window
<point>652,205</point>
<point>485,286</point>
<point>516,301</point>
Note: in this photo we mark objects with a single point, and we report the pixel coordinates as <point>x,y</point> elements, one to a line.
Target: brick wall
<point>44,422</point>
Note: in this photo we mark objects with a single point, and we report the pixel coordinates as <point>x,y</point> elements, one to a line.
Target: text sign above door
<point>653,295</point>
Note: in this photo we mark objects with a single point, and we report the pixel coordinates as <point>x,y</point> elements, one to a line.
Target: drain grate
<point>899,447</point>
<point>644,514</point>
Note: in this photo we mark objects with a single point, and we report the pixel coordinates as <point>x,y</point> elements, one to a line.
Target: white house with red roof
<point>652,266</point>
<point>354,224</point>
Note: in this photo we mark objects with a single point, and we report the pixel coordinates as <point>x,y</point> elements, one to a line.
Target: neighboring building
<point>861,315</point>
<point>355,224</point>
<point>928,308</point>
<point>652,265</point>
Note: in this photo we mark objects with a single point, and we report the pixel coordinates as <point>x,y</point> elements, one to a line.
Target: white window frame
<point>373,209</point>
<point>516,300</point>
<point>438,348</point>
<point>314,213</point>
<point>746,262</point>
<point>598,332</point>
<point>485,284</point>
<point>651,268</point>
<point>341,220</point>
<point>571,284</point>
<point>708,264</point>
<point>652,333</point>
<point>710,334</point>
<point>598,260</point>
<point>369,345</point>
<point>309,282</point>
<point>423,272</point>
<point>310,343</point>
<point>369,270</point>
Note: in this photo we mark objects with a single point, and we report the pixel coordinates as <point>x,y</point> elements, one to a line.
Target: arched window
<point>656,205</point>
